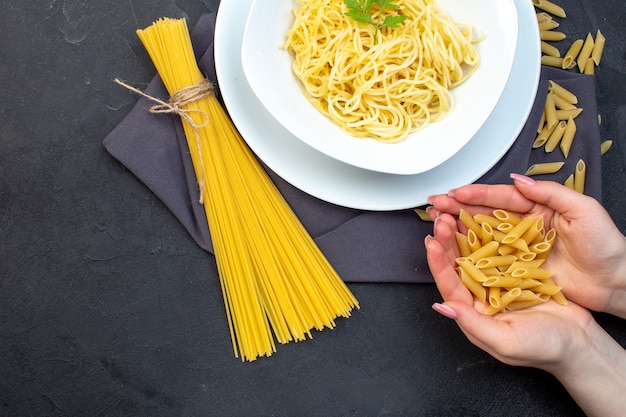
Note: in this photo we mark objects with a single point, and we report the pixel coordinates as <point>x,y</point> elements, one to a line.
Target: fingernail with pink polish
<point>523,179</point>
<point>445,311</point>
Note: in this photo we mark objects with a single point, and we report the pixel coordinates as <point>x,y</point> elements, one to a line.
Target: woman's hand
<point>588,259</point>
<point>563,340</point>
<point>543,336</point>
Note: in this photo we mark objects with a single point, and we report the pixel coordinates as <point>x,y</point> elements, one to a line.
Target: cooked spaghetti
<point>272,274</point>
<point>381,85</point>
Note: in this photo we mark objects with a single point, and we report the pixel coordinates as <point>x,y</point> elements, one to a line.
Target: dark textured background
<point>107,306</point>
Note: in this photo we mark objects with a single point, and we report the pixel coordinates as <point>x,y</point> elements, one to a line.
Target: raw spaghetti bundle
<point>380,84</point>
<point>274,279</point>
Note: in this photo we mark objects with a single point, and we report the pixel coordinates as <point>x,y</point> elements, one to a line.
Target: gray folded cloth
<point>363,246</point>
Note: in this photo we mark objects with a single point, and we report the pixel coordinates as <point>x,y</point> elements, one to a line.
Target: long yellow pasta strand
<point>273,276</point>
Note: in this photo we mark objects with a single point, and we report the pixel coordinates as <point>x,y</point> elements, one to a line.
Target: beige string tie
<point>176,105</point>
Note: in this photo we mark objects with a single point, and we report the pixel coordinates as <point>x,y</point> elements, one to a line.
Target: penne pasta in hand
<point>506,270</point>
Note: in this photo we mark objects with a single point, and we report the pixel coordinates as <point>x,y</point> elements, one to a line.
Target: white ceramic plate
<point>268,70</point>
<point>331,180</point>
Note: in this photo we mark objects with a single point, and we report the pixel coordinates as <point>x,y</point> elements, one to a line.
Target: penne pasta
<point>585,52</point>
<point>527,295</point>
<point>506,250</point>
<point>540,248</point>
<point>562,92</point>
<point>521,305</point>
<point>561,104</point>
<point>494,294</point>
<point>520,245</point>
<point>528,283</point>
<point>569,59</point>
<point>559,298</point>
<point>533,231</point>
<point>543,16</point>
<point>548,24</point>
<point>485,251</point>
<point>531,273</point>
<point>551,35</point>
<point>590,67</point>
<point>471,270</point>
<point>504,301</point>
<point>529,264</point>
<point>549,7</point>
<point>505,269</point>
<point>539,142</point>
<point>569,182</point>
<point>552,61</point>
<point>605,146</point>
<point>550,50</point>
<point>568,137</point>
<point>495,261</point>
<point>473,240</point>
<point>506,217</point>
<point>566,114</point>
<point>486,219</point>
<point>544,168</point>
<point>469,222</point>
<point>486,234</point>
<point>579,176</point>
<point>463,244</point>
<point>555,137</point>
<point>550,109</point>
<point>525,255</point>
<point>519,229</point>
<point>547,288</point>
<point>423,214</point>
<point>502,282</point>
<point>598,47</point>
<point>473,286</point>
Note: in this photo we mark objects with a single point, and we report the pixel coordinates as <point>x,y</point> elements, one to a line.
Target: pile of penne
<point>584,54</point>
<point>501,258</point>
<point>557,128</point>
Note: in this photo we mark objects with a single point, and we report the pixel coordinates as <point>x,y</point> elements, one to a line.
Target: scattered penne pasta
<point>585,52</point>
<point>549,7</point>
<point>562,92</point>
<point>605,146</point>
<point>544,168</point>
<point>568,136</point>
<point>598,47</point>
<point>569,59</point>
<point>550,50</point>
<point>552,61</point>
<point>423,214</point>
<point>579,53</point>
<point>579,176</point>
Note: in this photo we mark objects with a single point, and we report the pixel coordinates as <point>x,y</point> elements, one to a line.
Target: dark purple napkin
<point>363,246</point>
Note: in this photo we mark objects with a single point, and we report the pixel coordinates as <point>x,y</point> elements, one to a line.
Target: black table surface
<point>107,306</point>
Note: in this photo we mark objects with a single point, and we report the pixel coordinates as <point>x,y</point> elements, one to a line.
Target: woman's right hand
<point>588,259</point>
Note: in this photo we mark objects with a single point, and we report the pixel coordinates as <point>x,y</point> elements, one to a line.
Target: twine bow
<point>176,105</point>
